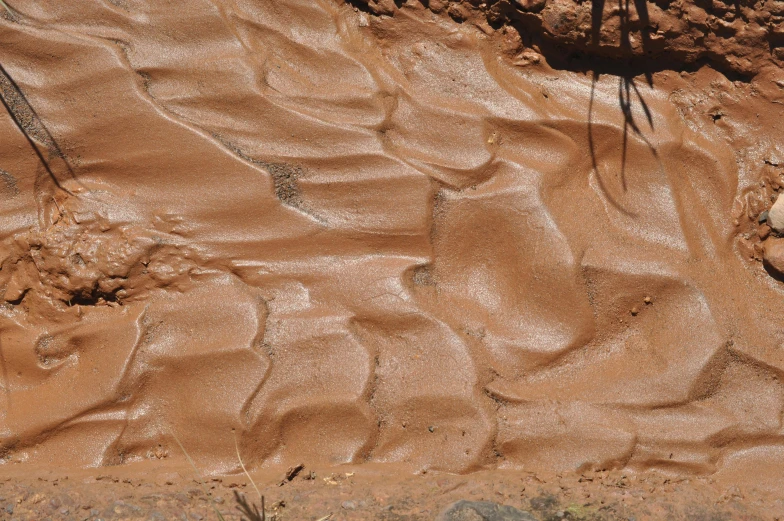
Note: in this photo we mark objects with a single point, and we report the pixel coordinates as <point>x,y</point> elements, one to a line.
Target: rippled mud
<point>344,234</point>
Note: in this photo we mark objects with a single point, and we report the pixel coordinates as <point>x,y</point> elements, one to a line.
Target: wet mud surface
<point>386,233</point>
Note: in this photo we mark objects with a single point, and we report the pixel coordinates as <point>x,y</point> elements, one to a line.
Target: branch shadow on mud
<point>621,62</point>
<point>626,28</point>
<point>248,510</point>
<point>31,126</point>
<point>628,95</point>
<point>628,92</point>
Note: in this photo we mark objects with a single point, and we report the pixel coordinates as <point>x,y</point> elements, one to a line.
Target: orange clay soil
<point>392,233</point>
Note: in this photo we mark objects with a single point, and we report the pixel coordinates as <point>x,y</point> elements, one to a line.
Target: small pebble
<point>763,231</point>
<point>634,311</point>
<point>431,429</point>
<point>647,300</point>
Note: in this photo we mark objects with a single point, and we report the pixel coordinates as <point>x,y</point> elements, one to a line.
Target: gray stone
<point>483,511</point>
<point>776,215</point>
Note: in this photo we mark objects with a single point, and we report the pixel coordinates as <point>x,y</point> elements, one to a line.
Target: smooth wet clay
<point>402,233</point>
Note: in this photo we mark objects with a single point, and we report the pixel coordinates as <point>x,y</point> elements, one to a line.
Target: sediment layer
<point>343,236</point>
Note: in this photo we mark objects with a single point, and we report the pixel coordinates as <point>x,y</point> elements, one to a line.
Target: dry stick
<point>239,458</point>
<point>7,8</point>
<point>201,485</point>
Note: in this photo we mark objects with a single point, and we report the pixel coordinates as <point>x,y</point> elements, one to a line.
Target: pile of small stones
<point>771,231</point>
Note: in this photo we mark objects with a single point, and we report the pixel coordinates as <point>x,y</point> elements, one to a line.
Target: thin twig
<point>198,474</point>
<point>239,458</point>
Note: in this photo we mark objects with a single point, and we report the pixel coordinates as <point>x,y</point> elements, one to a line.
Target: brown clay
<point>391,233</point>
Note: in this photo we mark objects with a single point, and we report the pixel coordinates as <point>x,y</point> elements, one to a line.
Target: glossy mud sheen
<point>342,237</point>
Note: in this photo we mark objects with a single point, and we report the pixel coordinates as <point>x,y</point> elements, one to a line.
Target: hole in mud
<point>94,298</point>
<point>19,299</point>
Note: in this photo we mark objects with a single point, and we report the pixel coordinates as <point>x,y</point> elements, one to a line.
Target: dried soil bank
<point>378,492</point>
<point>357,238</point>
<point>737,38</point>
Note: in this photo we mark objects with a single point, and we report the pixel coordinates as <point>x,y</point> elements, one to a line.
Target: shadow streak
<point>597,11</point>
<point>31,126</point>
<point>772,272</point>
<point>629,94</point>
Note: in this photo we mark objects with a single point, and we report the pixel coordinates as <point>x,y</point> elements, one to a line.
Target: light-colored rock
<point>776,215</point>
<point>773,255</point>
<point>531,5</point>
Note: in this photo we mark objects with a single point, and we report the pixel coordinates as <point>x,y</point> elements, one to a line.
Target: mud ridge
<point>393,233</point>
